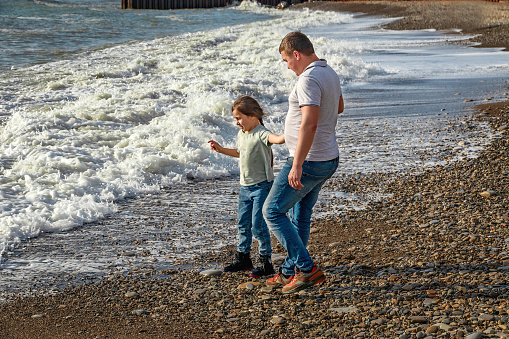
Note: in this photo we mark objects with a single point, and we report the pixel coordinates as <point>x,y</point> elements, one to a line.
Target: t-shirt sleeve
<point>264,137</point>
<point>309,92</point>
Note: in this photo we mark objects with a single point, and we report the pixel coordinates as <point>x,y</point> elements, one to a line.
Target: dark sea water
<point>40,31</point>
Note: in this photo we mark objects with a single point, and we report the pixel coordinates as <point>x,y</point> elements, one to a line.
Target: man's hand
<point>307,132</point>
<point>294,177</point>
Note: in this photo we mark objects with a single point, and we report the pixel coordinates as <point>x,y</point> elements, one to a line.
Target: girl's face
<point>245,122</point>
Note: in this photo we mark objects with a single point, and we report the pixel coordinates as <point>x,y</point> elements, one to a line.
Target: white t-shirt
<point>318,85</point>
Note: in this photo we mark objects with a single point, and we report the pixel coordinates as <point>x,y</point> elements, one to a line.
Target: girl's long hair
<point>249,106</point>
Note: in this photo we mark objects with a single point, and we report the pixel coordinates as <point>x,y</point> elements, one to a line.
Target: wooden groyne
<point>173,4</point>
<point>189,4</point>
<point>184,4</point>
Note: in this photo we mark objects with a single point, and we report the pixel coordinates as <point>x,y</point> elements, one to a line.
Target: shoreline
<point>431,259</point>
<point>488,19</point>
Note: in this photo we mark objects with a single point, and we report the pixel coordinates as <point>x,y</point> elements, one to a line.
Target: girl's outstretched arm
<point>277,139</point>
<point>232,152</point>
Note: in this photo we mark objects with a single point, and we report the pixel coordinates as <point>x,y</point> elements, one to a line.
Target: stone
<point>461,289</point>
<point>489,193</point>
<point>475,335</point>
<point>211,273</point>
<point>250,285</point>
<point>445,327</point>
<point>379,321</point>
<point>489,330</point>
<point>131,295</point>
<point>139,311</point>
<point>266,289</point>
<point>277,320</point>
<point>486,317</point>
<point>282,5</point>
<point>432,329</point>
<point>344,309</point>
<point>418,319</point>
<point>430,301</point>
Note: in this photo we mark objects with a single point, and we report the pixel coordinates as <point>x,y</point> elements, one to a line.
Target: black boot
<point>264,269</point>
<point>242,262</point>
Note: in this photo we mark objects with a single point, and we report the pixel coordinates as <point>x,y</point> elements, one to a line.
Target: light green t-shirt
<point>255,159</point>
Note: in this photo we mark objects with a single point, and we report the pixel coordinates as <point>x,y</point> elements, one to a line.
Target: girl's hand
<point>232,152</point>
<point>276,139</point>
<point>215,146</point>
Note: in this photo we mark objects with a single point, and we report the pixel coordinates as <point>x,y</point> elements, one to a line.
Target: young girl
<point>254,143</point>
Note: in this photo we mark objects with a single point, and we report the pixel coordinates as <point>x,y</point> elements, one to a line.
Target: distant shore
<point>430,261</point>
<point>489,19</point>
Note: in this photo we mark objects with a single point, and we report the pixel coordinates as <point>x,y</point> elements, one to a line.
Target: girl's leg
<point>260,229</point>
<point>244,224</point>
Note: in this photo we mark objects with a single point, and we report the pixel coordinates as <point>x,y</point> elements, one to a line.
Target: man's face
<point>292,61</point>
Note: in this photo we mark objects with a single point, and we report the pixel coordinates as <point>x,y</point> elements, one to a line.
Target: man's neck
<point>308,60</point>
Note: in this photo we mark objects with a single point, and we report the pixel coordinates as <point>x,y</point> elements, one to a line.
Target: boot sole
<point>304,286</point>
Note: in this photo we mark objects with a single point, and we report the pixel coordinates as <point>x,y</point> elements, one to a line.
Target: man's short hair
<point>296,41</point>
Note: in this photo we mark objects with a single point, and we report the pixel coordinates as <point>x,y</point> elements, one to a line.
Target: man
<point>314,105</point>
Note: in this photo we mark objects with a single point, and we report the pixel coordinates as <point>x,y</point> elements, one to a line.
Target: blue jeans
<point>251,222</point>
<point>292,231</point>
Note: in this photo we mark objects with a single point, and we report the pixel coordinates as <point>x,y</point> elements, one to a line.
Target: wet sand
<point>430,261</point>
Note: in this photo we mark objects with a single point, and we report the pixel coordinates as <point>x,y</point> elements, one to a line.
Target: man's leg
<point>294,234</point>
<point>300,214</point>
<point>301,219</point>
<point>281,199</point>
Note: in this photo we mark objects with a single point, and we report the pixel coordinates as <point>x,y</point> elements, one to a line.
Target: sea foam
<point>127,120</point>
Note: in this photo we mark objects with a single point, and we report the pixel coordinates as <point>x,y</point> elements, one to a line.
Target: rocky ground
<point>431,261</point>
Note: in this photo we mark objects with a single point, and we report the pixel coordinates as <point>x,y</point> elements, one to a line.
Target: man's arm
<point>307,132</point>
<point>341,107</point>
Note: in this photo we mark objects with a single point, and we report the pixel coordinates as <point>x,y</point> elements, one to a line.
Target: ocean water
<point>100,105</point>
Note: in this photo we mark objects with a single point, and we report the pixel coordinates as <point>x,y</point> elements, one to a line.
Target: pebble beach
<point>431,260</point>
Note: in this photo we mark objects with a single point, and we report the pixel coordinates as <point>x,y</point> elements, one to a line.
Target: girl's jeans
<point>251,222</point>
<point>292,231</point>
